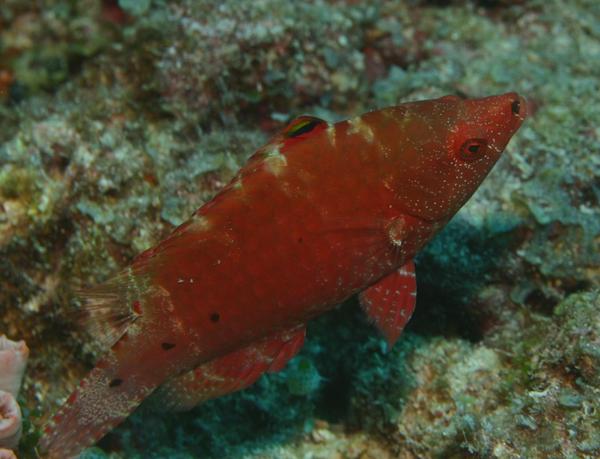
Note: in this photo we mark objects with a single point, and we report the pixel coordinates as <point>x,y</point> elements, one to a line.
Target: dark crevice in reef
<point>452,269</point>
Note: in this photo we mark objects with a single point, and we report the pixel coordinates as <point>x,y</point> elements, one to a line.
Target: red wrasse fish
<point>322,212</point>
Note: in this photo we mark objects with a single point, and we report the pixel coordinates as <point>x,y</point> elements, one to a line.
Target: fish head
<point>452,145</point>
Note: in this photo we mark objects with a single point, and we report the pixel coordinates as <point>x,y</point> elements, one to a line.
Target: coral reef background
<point>119,118</point>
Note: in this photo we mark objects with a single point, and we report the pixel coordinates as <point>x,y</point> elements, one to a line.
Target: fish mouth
<point>519,106</point>
<point>519,110</point>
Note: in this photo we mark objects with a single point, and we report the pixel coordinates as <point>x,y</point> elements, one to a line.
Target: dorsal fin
<point>302,125</point>
<point>297,129</point>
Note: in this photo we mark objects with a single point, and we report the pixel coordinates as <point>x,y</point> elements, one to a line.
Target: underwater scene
<point>346,229</point>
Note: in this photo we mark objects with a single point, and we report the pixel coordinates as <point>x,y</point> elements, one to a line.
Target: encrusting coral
<point>13,360</point>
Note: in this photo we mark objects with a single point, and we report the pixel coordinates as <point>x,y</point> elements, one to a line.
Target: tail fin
<point>102,401</point>
<point>141,359</point>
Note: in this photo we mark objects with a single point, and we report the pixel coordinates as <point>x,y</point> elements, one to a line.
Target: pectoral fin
<point>390,302</point>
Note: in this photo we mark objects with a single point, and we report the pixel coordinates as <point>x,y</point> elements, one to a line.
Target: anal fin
<point>229,373</point>
<point>391,301</point>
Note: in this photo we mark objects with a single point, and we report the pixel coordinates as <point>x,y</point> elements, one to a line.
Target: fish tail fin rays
<point>230,373</point>
<point>390,302</point>
<point>108,309</point>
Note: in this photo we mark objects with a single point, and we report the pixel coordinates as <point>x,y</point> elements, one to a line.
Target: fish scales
<point>322,212</point>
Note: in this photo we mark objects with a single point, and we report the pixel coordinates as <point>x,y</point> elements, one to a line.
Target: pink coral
<point>10,420</point>
<point>7,454</point>
<point>13,360</point>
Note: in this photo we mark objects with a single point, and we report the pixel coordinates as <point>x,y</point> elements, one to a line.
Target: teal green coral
<point>135,7</point>
<point>302,377</point>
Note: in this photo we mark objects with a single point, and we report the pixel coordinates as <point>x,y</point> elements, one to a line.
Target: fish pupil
<point>472,149</point>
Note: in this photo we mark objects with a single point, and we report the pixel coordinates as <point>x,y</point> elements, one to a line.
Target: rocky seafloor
<point>119,118</point>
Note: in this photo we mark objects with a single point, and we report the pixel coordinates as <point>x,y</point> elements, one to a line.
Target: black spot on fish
<point>115,382</point>
<point>215,317</point>
<point>167,346</point>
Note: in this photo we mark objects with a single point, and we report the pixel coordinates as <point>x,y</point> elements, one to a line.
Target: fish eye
<point>473,149</point>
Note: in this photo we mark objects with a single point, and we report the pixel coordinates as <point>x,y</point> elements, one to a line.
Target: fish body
<point>322,212</point>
